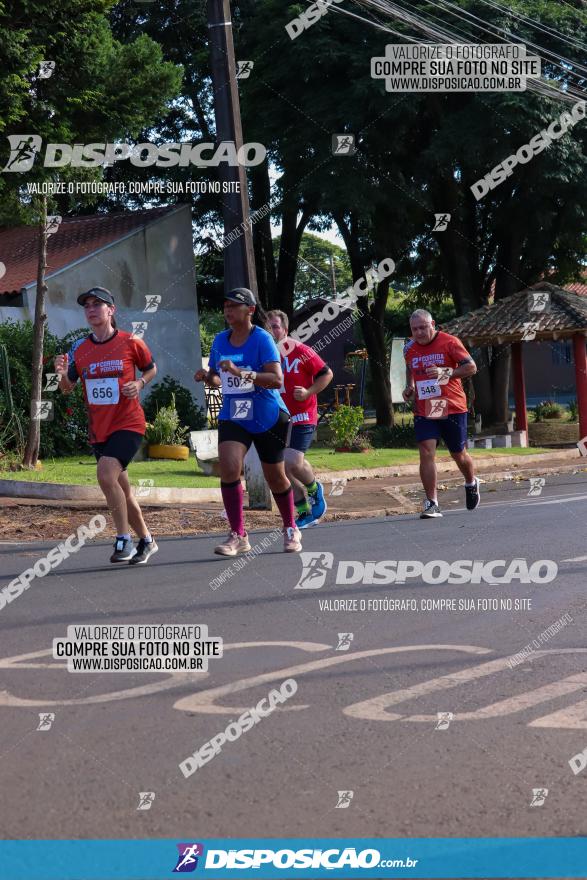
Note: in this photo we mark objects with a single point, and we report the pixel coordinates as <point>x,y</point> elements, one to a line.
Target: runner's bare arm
<point>61,364</point>
<point>209,377</point>
<point>134,388</point>
<point>271,377</point>
<point>409,389</point>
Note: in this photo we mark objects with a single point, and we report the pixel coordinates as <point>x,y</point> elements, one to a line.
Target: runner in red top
<point>106,362</point>
<point>435,364</point>
<point>305,375</point>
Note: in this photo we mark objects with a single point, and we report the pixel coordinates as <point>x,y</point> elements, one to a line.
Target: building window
<point>562,353</point>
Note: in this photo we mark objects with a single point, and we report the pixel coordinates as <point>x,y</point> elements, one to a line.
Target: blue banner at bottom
<point>274,858</point>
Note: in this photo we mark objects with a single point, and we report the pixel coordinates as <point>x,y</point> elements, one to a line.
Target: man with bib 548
<point>435,364</point>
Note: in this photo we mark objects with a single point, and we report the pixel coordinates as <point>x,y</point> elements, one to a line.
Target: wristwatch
<point>143,381</point>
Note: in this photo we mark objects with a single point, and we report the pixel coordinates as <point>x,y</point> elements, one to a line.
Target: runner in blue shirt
<point>245,362</point>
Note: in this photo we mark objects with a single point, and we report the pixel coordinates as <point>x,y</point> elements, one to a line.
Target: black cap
<point>241,295</point>
<point>99,293</point>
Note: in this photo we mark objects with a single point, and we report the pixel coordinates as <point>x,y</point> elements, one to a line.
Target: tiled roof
<point>77,237</point>
<point>504,320</point>
<point>577,287</point>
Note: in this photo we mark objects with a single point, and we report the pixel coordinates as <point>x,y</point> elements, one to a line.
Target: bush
<point>162,395</point>
<point>573,411</point>
<point>345,425</point>
<point>397,437</point>
<point>211,323</point>
<point>548,409</point>
<point>67,432</point>
<point>166,428</point>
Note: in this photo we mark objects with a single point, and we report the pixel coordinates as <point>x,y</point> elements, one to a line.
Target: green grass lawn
<point>81,470</point>
<point>328,460</point>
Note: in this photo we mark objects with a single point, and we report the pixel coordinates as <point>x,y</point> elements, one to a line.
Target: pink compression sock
<point>285,503</point>
<point>232,496</point>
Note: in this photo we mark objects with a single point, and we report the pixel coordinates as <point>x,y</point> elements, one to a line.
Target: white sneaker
<point>292,540</point>
<point>233,545</point>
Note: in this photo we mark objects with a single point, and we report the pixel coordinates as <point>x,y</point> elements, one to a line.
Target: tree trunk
<point>371,325</point>
<point>262,240</point>
<point>31,453</point>
<point>291,238</point>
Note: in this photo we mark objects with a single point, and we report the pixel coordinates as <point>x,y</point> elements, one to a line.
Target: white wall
<point>157,259</point>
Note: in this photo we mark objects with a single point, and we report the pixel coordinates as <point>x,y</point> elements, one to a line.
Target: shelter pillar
<point>519,387</point>
<point>580,356</point>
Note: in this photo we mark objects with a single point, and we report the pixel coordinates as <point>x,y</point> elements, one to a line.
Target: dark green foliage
<point>67,432</point>
<point>397,437</point>
<point>189,412</point>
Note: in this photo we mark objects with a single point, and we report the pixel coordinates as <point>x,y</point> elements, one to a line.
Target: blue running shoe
<point>305,520</point>
<point>318,503</point>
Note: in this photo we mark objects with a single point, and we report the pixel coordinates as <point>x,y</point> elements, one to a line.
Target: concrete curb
<point>70,492</point>
<point>410,470</point>
<point>93,494</point>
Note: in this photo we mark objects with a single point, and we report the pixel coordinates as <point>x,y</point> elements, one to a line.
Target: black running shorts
<point>270,444</point>
<point>122,445</point>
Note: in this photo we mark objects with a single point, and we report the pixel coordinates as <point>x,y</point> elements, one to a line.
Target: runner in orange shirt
<point>435,364</point>
<point>106,362</point>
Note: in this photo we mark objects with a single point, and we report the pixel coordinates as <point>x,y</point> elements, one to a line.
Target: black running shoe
<point>431,509</point>
<point>473,495</point>
<point>145,549</point>
<point>124,549</point>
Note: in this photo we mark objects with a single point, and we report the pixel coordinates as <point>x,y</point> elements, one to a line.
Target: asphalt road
<point>363,720</point>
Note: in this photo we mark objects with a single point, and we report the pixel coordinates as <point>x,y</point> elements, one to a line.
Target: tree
<point>100,91</point>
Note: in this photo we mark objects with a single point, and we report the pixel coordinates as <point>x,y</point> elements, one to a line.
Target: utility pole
<point>239,259</point>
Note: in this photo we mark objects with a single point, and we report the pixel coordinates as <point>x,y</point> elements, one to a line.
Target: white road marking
<point>204,701</point>
<point>575,559</point>
<point>571,718</point>
<point>172,680</point>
